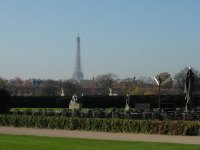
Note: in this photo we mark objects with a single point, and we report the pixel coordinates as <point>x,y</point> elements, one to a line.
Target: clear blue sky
<point>125,37</point>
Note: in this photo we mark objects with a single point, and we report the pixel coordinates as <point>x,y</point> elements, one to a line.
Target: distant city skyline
<point>129,38</point>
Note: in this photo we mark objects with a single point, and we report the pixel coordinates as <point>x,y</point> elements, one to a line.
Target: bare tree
<point>16,86</point>
<point>105,83</point>
<point>50,88</point>
<point>28,87</point>
<point>2,82</point>
<point>166,80</point>
<point>71,87</point>
<point>179,79</point>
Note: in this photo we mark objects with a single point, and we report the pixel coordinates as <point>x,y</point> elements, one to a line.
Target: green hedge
<point>99,101</point>
<point>99,124</point>
<point>40,101</point>
<point>4,101</point>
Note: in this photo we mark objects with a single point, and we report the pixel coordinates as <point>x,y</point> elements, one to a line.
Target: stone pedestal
<point>127,107</point>
<point>143,106</point>
<point>74,105</point>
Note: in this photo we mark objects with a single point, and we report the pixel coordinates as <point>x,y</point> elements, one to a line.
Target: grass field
<point>14,142</point>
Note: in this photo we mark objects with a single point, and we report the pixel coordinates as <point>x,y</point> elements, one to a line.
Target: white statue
<point>62,92</point>
<point>74,98</point>
<point>111,93</point>
<point>127,107</point>
<point>74,104</point>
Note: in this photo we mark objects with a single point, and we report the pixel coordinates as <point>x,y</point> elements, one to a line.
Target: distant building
<point>37,82</point>
<point>78,74</point>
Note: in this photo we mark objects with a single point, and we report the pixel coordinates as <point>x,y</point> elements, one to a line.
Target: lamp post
<point>178,82</point>
<point>159,85</point>
<point>158,81</point>
<point>93,86</point>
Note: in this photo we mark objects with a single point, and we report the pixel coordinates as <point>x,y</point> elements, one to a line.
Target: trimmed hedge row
<point>97,101</point>
<point>40,101</point>
<point>102,124</point>
<point>4,101</point>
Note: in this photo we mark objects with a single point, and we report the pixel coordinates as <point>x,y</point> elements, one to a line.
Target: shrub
<point>40,101</point>
<point>97,101</point>
<point>4,101</point>
<point>103,124</point>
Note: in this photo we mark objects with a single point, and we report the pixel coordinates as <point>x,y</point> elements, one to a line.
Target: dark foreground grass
<point>14,142</point>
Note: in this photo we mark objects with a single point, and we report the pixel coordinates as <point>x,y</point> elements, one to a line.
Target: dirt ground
<point>101,135</point>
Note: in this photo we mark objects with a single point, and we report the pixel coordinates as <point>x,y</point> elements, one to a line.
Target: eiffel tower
<point>78,74</point>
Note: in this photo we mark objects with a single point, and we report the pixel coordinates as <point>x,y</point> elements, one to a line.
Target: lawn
<point>15,142</point>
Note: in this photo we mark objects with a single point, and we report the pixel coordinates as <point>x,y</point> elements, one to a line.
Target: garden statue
<point>74,98</point>
<point>74,103</point>
<point>62,92</point>
<point>189,87</point>
<point>110,92</point>
<point>127,107</point>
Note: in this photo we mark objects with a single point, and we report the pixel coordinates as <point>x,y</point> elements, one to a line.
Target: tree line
<point>101,85</point>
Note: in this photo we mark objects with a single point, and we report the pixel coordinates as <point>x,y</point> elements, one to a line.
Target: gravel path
<point>101,135</point>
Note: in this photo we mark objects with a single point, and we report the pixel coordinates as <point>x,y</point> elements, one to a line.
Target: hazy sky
<point>125,37</point>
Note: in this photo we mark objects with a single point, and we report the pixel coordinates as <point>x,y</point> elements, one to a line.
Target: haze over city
<point>128,38</point>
